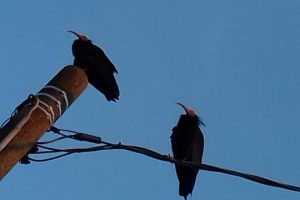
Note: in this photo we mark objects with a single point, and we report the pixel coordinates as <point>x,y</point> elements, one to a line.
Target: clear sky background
<point>236,63</point>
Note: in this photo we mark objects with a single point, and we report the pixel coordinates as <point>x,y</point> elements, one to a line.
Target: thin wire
<point>54,140</point>
<point>158,156</point>
<point>48,159</point>
<point>5,122</point>
<point>67,130</point>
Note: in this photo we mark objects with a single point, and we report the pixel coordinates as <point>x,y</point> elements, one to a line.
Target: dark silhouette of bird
<point>99,69</point>
<point>187,144</point>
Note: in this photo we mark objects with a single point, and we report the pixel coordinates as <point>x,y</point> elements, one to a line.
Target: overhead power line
<point>140,150</point>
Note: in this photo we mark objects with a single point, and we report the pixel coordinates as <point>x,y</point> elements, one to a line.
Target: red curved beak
<point>188,111</point>
<point>79,35</point>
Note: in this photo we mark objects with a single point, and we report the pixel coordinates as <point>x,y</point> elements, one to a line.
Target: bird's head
<point>80,36</point>
<point>190,113</point>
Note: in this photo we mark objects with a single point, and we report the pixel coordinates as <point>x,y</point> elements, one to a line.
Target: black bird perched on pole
<point>98,67</point>
<point>187,144</point>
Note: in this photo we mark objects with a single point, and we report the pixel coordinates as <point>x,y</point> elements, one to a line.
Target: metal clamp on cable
<point>87,138</point>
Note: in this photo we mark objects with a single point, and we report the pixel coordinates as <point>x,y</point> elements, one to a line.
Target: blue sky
<point>236,63</point>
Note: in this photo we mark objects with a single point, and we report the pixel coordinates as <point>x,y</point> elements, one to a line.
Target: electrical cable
<point>152,154</point>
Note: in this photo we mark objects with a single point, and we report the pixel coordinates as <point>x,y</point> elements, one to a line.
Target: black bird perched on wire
<point>98,67</point>
<point>187,144</point>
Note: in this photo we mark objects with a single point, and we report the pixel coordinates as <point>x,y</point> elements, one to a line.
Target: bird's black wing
<point>101,56</point>
<point>101,74</point>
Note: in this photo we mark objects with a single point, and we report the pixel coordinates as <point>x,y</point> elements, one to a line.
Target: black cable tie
<point>25,160</point>
<point>54,129</point>
<point>34,149</point>
<point>87,138</point>
<point>25,102</point>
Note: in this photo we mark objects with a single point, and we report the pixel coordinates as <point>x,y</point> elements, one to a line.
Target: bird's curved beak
<point>188,111</point>
<point>80,36</point>
<point>75,33</point>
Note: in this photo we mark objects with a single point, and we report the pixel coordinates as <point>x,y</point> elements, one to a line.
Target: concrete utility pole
<point>36,115</point>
